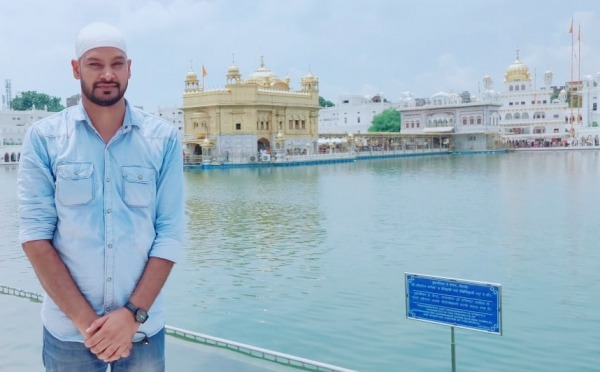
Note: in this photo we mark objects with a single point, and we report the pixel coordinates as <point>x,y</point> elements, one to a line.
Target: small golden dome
<point>233,69</point>
<point>518,71</point>
<point>191,76</point>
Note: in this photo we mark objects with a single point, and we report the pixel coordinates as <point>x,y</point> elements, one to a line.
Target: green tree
<point>30,99</point>
<point>325,103</point>
<point>387,121</point>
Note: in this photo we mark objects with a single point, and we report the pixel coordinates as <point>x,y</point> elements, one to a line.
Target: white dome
<point>440,95</point>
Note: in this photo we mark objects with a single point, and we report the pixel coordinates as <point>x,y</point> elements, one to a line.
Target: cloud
<point>354,47</point>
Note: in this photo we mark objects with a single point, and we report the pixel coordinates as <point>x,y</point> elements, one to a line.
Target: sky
<point>352,46</point>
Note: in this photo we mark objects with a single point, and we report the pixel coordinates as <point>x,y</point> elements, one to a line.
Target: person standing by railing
<point>100,188</point>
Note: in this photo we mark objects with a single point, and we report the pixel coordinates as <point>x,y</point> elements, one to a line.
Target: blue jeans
<point>63,356</point>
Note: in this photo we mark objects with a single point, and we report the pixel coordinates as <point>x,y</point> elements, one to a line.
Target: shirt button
<point>108,180</point>
<point>140,177</point>
<point>108,210</point>
<point>109,280</point>
<point>110,246</point>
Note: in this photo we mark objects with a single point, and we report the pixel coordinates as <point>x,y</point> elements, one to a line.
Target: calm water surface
<point>310,261</point>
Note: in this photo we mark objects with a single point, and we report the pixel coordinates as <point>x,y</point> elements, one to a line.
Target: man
<point>101,213</point>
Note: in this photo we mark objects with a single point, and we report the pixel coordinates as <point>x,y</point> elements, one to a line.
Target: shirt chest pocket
<point>74,184</point>
<point>138,186</point>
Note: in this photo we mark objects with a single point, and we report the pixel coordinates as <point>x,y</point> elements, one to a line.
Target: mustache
<point>114,83</point>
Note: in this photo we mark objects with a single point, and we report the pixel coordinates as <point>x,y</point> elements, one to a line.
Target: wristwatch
<point>140,315</point>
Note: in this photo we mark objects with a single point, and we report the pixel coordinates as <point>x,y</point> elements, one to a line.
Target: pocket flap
<point>75,171</point>
<point>138,174</point>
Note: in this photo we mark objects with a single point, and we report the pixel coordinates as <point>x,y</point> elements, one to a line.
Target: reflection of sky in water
<point>310,260</point>
<point>14,266</point>
<point>254,229</point>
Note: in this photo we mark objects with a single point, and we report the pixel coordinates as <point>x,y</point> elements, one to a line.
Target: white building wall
<point>470,123</point>
<point>13,127</point>
<point>352,114</point>
<point>173,115</point>
<point>590,109</point>
<point>530,113</point>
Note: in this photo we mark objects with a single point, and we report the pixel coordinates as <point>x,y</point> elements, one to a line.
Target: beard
<point>99,100</point>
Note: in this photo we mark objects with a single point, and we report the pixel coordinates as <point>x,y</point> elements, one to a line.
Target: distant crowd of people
<point>554,142</point>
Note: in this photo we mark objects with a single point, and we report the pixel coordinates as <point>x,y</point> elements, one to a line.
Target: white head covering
<point>96,35</point>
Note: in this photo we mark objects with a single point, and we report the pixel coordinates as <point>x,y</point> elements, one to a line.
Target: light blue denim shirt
<point>106,208</point>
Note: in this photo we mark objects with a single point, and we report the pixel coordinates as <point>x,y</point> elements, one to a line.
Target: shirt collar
<point>132,117</point>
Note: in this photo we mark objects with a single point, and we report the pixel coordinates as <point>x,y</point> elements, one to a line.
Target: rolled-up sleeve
<point>35,190</point>
<point>169,224</point>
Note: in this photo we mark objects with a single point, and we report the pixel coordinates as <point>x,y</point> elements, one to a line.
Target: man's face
<point>104,73</point>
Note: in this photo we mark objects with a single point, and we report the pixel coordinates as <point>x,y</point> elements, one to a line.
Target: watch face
<point>141,315</point>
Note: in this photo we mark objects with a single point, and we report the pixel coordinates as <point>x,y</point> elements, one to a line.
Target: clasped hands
<point>109,337</point>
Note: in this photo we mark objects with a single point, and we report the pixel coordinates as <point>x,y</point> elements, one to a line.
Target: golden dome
<point>518,71</point>
<point>233,69</point>
<point>191,76</point>
<point>263,76</point>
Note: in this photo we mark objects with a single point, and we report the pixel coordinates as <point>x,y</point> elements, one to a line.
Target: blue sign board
<point>454,302</point>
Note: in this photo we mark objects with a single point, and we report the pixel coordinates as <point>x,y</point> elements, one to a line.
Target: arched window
<point>464,121</point>
<point>517,116</point>
<point>479,120</point>
<point>471,120</point>
<point>510,88</point>
<point>508,117</point>
<point>525,116</point>
<point>516,87</point>
<point>523,87</point>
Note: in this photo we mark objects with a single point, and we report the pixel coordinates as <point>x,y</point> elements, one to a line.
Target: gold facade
<point>249,117</point>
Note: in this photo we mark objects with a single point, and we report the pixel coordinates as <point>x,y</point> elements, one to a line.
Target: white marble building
<point>589,127</point>
<point>473,125</point>
<point>13,126</point>
<point>351,114</point>
<point>173,115</point>
<point>531,113</point>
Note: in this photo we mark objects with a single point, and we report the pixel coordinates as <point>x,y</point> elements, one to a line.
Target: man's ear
<point>76,71</point>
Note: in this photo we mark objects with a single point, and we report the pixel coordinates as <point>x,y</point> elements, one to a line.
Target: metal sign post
<point>454,302</point>
<point>453,349</point>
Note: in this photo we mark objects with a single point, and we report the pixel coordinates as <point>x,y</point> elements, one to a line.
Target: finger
<point>99,348</point>
<point>96,325</point>
<point>93,342</point>
<point>120,352</point>
<point>109,355</point>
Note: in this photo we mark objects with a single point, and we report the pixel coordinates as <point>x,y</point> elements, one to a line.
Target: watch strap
<point>131,307</point>
<point>140,315</point>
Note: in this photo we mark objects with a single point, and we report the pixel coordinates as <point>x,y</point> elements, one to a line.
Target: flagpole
<point>579,75</point>
<point>571,119</point>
